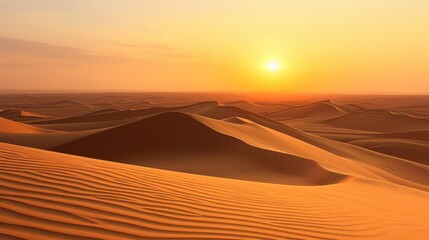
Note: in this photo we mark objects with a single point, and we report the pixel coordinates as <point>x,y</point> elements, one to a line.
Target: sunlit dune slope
<point>33,136</point>
<point>46,195</point>
<point>9,126</point>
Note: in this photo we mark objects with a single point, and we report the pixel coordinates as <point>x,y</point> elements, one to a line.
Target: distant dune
<point>379,121</point>
<point>19,115</point>
<point>318,109</point>
<point>256,108</point>
<point>412,150</point>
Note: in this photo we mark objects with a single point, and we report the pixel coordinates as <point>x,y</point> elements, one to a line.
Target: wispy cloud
<point>15,53</point>
<point>163,49</point>
<point>41,49</point>
<point>49,51</point>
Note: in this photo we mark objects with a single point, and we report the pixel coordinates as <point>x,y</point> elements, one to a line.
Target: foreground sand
<point>46,195</point>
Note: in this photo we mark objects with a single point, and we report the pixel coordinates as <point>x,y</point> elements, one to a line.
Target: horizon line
<point>64,91</point>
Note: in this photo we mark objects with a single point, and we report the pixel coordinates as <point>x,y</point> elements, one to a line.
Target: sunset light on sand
<point>214,119</point>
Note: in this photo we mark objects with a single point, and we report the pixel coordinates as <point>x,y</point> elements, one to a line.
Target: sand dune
<point>343,158</point>
<point>415,135</point>
<point>264,134</point>
<point>43,140</point>
<point>404,148</point>
<point>347,135</point>
<point>236,120</point>
<point>49,105</point>
<point>38,137</point>
<point>182,168</point>
<point>9,126</point>
<point>47,195</point>
<point>321,109</point>
<point>158,140</point>
<point>335,156</point>
<point>102,112</point>
<point>114,117</point>
<point>412,145</point>
<point>163,141</point>
<point>115,114</point>
<point>105,116</point>
<point>379,121</point>
<point>19,115</point>
<point>256,108</point>
<point>222,112</point>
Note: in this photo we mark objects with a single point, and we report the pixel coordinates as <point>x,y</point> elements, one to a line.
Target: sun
<point>273,66</point>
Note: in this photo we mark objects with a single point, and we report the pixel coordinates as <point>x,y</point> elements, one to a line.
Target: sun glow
<point>273,66</point>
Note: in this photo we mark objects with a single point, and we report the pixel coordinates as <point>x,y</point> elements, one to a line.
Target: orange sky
<point>201,45</point>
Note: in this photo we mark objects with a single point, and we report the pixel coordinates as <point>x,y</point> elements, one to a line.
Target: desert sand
<point>213,166</point>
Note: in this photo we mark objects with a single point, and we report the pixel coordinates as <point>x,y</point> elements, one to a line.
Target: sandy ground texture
<point>213,166</point>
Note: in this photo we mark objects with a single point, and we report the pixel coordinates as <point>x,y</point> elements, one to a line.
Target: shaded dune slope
<point>177,141</point>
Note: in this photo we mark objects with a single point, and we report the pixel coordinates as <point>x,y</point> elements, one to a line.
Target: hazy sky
<point>184,45</point>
